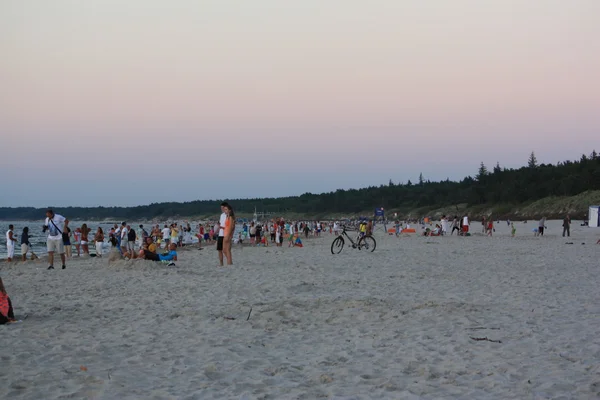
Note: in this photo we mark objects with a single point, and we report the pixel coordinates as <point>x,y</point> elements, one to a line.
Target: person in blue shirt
<point>170,256</point>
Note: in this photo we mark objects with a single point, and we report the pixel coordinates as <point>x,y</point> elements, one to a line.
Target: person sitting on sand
<point>170,256</point>
<point>297,240</point>
<point>149,245</point>
<point>6,309</point>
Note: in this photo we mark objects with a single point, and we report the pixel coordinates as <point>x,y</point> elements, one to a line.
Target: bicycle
<point>364,242</point>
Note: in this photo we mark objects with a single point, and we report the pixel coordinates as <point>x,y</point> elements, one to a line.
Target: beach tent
<point>594,216</point>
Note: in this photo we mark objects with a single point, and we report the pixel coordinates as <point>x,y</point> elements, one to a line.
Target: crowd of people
<point>161,244</point>
<point>128,243</point>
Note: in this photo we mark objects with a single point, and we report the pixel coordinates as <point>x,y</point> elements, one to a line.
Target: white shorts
<point>11,250</point>
<point>55,246</point>
<point>83,242</point>
<point>99,246</point>
<point>131,246</point>
<point>24,249</point>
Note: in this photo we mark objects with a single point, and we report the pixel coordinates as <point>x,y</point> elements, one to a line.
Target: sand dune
<point>398,323</point>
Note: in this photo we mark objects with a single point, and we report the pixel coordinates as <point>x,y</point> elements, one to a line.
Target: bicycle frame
<point>344,233</point>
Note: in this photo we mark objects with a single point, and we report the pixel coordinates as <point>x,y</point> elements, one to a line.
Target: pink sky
<point>317,88</point>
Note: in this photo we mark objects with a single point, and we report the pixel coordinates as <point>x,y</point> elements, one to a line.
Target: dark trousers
<point>148,255</point>
<point>11,314</point>
<point>567,230</point>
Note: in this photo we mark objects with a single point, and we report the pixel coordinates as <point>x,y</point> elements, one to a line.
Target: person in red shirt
<point>6,310</point>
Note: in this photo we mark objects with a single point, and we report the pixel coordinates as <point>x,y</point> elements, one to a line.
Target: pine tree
<point>497,168</point>
<point>421,181</point>
<point>482,172</point>
<point>532,162</point>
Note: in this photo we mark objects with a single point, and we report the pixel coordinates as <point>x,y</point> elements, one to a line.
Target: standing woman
<point>99,239</point>
<point>228,234</point>
<point>77,240</point>
<point>25,244</point>
<point>85,231</point>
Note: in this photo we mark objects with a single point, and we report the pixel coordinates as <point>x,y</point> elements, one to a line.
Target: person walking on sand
<point>25,244</point>
<point>55,224</point>
<point>228,231</point>
<point>455,226</point>
<point>10,243</point>
<point>221,231</point>
<point>541,226</point>
<point>66,236</point>
<point>567,226</point>
<point>465,225</point>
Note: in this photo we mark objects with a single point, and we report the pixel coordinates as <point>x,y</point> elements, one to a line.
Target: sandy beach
<point>399,323</point>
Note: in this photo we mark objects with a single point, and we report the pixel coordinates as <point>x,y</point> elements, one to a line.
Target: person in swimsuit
<point>228,234</point>
<point>99,241</point>
<point>77,240</point>
<point>85,231</point>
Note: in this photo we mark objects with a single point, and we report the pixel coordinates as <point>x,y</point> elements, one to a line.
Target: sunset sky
<point>126,102</point>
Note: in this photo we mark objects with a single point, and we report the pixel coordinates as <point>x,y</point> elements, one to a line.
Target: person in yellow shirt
<point>362,229</point>
<point>149,245</point>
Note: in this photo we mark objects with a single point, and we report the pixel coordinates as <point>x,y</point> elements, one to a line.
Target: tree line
<point>496,186</point>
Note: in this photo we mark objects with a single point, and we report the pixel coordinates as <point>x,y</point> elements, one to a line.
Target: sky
<point>118,103</point>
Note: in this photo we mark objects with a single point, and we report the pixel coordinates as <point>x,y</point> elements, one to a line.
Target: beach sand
<point>398,323</point>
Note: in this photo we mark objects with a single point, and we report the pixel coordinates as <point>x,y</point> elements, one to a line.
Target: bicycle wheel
<point>368,243</point>
<point>337,245</point>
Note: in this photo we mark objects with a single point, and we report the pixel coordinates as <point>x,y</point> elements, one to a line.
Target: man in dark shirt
<point>567,226</point>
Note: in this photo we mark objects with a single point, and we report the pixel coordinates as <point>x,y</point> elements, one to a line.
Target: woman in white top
<point>77,240</point>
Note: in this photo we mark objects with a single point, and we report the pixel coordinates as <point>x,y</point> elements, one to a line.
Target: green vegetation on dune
<point>524,193</point>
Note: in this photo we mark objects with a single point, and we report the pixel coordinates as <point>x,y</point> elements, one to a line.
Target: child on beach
<point>513,230</point>
<point>66,237</point>
<point>6,309</point>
